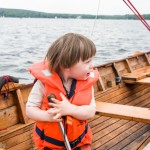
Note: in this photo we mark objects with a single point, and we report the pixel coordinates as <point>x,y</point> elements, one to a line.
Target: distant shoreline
<point>19,13</point>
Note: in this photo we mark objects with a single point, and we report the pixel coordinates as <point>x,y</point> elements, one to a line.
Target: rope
<point>6,85</point>
<point>95,17</point>
<point>138,15</point>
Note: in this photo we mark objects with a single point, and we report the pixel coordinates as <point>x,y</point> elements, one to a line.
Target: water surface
<point>25,41</point>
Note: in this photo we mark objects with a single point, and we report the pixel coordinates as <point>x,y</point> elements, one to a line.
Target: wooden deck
<point>117,134</point>
<point>117,129</point>
<point>122,119</point>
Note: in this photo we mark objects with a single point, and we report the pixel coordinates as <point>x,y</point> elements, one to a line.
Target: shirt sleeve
<point>36,95</point>
<point>93,104</point>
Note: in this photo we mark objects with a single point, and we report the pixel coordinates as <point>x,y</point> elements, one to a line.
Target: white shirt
<point>37,94</point>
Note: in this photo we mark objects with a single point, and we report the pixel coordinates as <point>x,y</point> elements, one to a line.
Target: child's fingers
<point>63,97</point>
<point>52,105</point>
<point>57,116</point>
<point>54,100</point>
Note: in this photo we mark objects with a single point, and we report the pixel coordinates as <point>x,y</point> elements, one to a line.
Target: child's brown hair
<point>68,50</point>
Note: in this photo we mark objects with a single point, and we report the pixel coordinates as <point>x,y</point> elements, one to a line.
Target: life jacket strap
<point>58,142</point>
<point>47,138</point>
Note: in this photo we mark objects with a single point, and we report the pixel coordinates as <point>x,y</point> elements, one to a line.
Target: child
<point>67,72</point>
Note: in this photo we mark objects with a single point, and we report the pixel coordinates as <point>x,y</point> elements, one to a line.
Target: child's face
<point>81,70</point>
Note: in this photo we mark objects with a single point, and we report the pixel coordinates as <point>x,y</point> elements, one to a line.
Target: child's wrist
<point>48,117</point>
<point>72,109</point>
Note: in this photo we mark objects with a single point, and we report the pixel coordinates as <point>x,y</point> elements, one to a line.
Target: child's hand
<point>60,108</point>
<point>51,116</point>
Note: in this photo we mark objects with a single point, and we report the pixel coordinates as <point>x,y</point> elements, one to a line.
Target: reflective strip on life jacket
<point>58,142</point>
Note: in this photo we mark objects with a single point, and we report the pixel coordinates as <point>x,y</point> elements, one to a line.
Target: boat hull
<point>113,126</point>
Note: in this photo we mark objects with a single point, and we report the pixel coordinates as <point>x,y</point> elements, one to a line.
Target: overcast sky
<point>107,7</point>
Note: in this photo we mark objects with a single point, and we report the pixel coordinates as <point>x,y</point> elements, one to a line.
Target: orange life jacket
<point>48,134</point>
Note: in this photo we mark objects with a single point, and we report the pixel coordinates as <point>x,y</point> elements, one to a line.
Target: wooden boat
<point>122,120</point>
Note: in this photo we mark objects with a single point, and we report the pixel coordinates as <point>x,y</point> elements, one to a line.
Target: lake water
<point>25,41</point>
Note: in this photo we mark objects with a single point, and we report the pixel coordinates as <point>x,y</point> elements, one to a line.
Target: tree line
<point>18,13</point>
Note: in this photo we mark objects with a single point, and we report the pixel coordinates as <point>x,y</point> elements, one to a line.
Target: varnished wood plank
<point>138,141</point>
<point>119,94</point>
<point>116,141</point>
<point>100,84</point>
<point>104,70</point>
<point>22,146</point>
<point>106,134</point>
<point>116,122</point>
<point>126,141</point>
<point>137,74</point>
<point>8,117</point>
<point>12,86</point>
<point>99,120</point>
<point>11,142</point>
<point>145,103</point>
<point>25,91</point>
<point>129,66</point>
<point>105,124</point>
<point>7,102</point>
<point>148,60</point>
<point>21,107</point>
<point>128,96</point>
<point>136,98</point>
<point>15,130</point>
<point>134,62</point>
<point>144,144</point>
<point>120,67</point>
<point>123,111</point>
<point>144,81</point>
<point>114,66</point>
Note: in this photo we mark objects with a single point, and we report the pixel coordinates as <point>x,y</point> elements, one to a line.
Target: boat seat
<point>127,112</point>
<point>139,76</point>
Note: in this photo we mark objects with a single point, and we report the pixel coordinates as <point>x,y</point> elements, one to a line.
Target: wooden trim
<point>21,107</point>
<point>123,111</point>
<point>128,64</point>
<point>137,74</point>
<point>144,81</point>
<point>115,69</point>
<point>15,128</point>
<point>100,84</point>
<point>109,63</point>
<point>12,86</point>
<point>146,56</point>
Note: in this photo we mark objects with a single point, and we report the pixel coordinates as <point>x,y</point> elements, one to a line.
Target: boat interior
<point>122,119</point>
